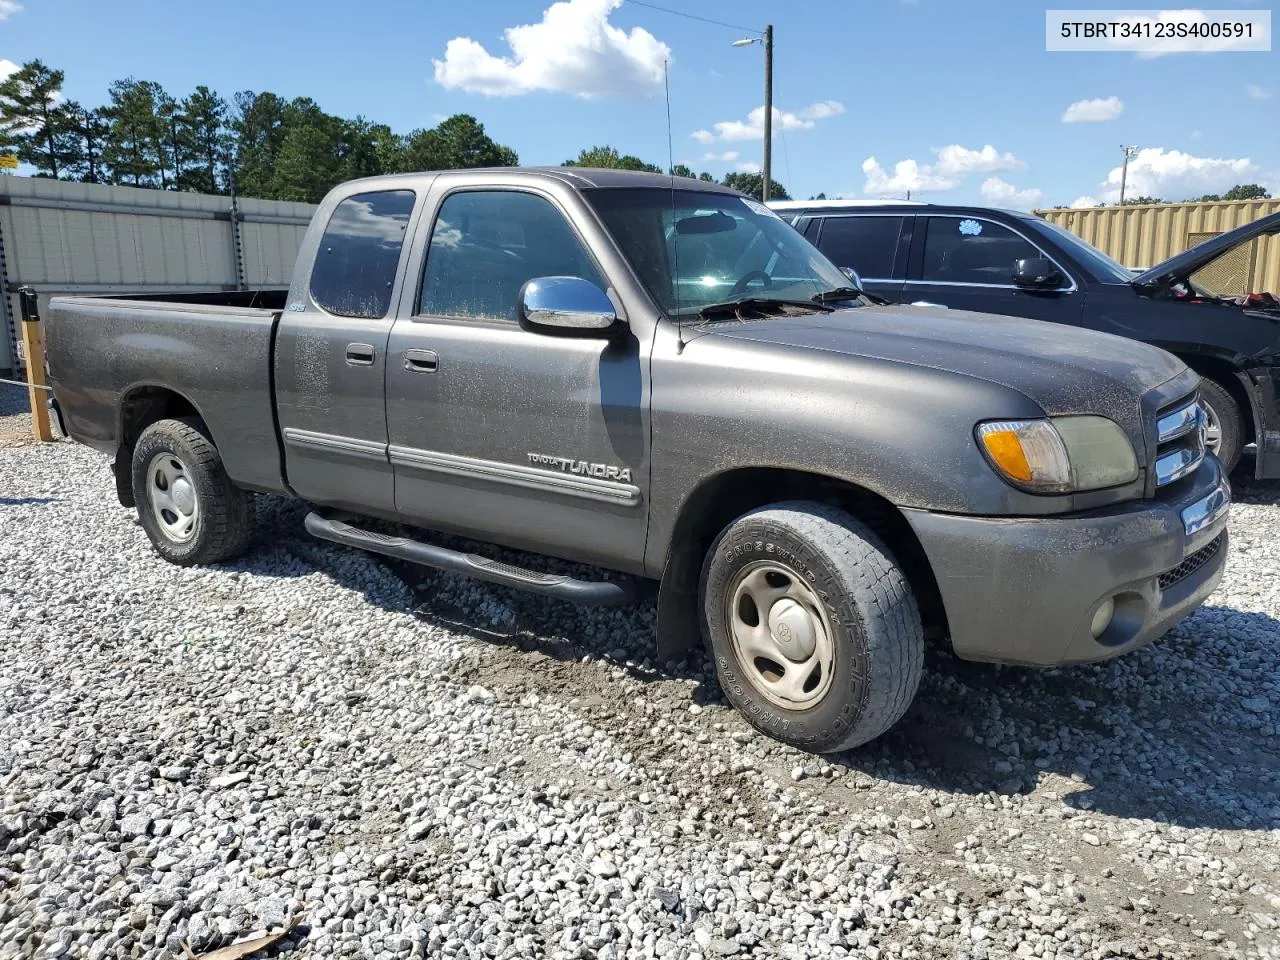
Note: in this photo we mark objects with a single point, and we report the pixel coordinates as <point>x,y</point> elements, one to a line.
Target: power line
<point>690,16</point>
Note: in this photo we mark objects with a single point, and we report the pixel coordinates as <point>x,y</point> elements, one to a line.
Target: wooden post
<point>34,351</point>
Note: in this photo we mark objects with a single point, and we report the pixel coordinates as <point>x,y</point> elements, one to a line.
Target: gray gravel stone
<point>343,768</point>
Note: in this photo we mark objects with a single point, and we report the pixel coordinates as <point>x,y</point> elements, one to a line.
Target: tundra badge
<point>580,467</point>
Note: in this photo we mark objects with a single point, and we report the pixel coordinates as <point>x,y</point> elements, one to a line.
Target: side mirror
<point>1038,273</point>
<point>852,274</point>
<point>566,305</point>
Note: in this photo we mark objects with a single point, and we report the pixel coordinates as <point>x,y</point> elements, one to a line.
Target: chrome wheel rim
<point>171,491</point>
<point>1212,430</point>
<point>781,633</point>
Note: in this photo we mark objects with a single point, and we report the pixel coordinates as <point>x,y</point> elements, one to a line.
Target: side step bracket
<point>603,593</point>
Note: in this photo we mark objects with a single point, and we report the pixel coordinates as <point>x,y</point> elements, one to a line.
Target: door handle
<point>421,361</point>
<point>360,354</point>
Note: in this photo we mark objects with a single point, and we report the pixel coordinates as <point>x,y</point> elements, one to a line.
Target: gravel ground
<point>419,765</point>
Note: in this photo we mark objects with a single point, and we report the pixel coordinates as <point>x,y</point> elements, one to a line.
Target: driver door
<point>532,440</point>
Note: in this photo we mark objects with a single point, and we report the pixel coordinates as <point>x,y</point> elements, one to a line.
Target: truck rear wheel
<point>813,627</point>
<point>188,505</point>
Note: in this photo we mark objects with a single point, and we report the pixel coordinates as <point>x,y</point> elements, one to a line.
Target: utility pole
<point>768,112</point>
<point>1129,154</point>
<point>766,40</point>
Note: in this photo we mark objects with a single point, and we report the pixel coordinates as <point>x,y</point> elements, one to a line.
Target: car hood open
<point>1184,264</point>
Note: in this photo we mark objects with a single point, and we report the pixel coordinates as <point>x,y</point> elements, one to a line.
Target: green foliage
<point>1246,191</point>
<point>751,184</point>
<point>204,114</point>
<point>458,143</point>
<point>133,150</point>
<point>34,122</point>
<point>1141,201</point>
<point>608,158</point>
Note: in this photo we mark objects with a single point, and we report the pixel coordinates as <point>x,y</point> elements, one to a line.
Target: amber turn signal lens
<point>1005,450</point>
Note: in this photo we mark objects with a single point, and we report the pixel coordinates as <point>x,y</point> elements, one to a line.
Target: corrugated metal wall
<point>1142,236</point>
<point>70,238</point>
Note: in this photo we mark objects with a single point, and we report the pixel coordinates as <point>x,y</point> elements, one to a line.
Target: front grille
<point>1192,563</point>
<point>1179,440</point>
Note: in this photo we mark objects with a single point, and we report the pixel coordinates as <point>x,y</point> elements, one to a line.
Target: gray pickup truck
<point>662,379</point>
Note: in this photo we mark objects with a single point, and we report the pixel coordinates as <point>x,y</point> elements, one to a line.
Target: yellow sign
<point>8,161</point>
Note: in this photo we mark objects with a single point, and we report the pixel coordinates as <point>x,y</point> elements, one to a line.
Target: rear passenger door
<point>331,355</point>
<point>966,262</point>
<point>873,244</point>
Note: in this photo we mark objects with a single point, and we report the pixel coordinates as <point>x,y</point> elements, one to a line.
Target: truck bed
<point>208,351</point>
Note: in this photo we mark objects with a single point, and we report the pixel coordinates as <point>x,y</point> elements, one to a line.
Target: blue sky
<point>923,87</point>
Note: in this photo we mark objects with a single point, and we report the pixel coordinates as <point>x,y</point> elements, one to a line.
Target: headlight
<point>1062,455</point>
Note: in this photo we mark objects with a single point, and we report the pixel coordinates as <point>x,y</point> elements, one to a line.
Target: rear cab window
<point>355,266</point>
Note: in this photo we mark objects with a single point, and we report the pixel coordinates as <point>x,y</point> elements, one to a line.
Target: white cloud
<point>1257,92</point>
<point>822,110</point>
<point>1085,201</point>
<point>1174,175</point>
<point>908,176</point>
<point>753,127</point>
<point>8,67</point>
<point>7,9</point>
<point>955,160</point>
<point>954,163</point>
<point>1093,111</point>
<point>727,157</point>
<point>574,50</point>
<point>998,193</point>
<point>749,167</point>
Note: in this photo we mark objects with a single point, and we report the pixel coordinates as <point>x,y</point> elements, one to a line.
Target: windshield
<point>1103,267</point>
<point>694,248</point>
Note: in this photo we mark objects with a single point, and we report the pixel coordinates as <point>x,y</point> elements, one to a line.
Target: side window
<point>867,244</point>
<point>356,264</point>
<point>965,250</point>
<point>487,243</point>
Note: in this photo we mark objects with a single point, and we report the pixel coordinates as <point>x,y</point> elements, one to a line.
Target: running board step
<point>604,593</point>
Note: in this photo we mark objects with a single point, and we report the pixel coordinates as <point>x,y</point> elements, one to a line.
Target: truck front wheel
<point>813,627</point>
<point>188,505</point>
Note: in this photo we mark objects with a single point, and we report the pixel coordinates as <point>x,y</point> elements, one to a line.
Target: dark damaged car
<point>1018,264</point>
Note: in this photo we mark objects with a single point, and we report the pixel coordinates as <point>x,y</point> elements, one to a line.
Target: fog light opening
<point>1102,617</point>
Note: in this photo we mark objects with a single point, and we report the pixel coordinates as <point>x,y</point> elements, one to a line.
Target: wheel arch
<point>140,406</point>
<point>724,497</point>
<point>1228,376</point>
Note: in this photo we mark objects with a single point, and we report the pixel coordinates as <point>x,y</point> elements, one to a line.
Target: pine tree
<point>33,121</point>
<point>205,116</point>
<point>131,152</point>
<point>89,129</point>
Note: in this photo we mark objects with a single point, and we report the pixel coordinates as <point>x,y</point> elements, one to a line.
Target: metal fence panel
<point>1142,236</point>
<point>85,238</point>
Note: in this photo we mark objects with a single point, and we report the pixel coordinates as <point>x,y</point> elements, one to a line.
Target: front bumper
<point>1025,590</point>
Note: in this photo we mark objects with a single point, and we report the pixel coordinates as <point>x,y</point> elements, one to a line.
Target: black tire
<point>222,519</point>
<point>874,624</point>
<point>1225,412</point>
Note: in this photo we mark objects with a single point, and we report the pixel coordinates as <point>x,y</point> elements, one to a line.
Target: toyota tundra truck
<point>661,380</point>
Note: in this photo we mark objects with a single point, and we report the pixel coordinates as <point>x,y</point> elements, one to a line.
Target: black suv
<point>1004,261</point>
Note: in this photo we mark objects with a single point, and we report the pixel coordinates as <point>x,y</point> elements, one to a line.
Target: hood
<point>1063,369</point>
<point>1188,262</point>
